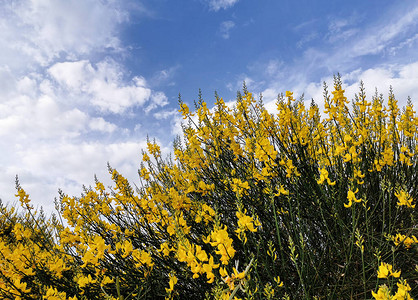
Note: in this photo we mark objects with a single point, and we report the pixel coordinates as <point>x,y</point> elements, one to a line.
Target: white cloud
<point>273,67</point>
<point>52,141</point>
<point>402,78</point>
<point>269,100</point>
<point>69,159</point>
<point>100,124</point>
<point>225,29</point>
<point>69,166</point>
<point>40,31</point>
<point>342,29</point>
<point>162,115</point>
<point>104,85</point>
<point>6,80</point>
<point>158,99</point>
<point>32,119</point>
<point>165,76</point>
<point>306,39</point>
<point>56,106</point>
<point>221,4</point>
<point>306,24</point>
<point>44,133</point>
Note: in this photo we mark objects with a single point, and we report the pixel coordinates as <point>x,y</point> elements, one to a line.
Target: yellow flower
<point>324,176</point>
<point>347,138</point>
<point>142,258</point>
<point>184,109</point>
<point>145,157</point>
<point>106,280</point>
<point>21,286</point>
<point>223,272</point>
<point>281,191</point>
<point>24,198</point>
<point>382,294</point>
<point>347,157</point>
<point>208,269</point>
<point>219,238</point>
<point>100,245</point>
<point>403,291</point>
<point>351,196</point>
<point>85,280</point>
<point>54,294</point>
<point>404,199</point>
<point>144,173</point>
<point>171,283</point>
<point>201,254</point>
<point>385,270</point>
<point>289,94</point>
<point>245,222</point>
<point>171,229</point>
<point>268,291</point>
<point>403,239</point>
<point>238,186</point>
<point>154,149</point>
<point>58,266</point>
<point>278,281</point>
<point>165,248</point>
<point>127,248</point>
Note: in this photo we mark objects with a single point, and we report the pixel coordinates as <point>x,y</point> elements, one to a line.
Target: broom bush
<point>299,203</point>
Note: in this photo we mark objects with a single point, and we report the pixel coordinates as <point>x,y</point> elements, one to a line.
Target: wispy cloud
<point>305,24</point>
<point>360,51</point>
<point>165,76</point>
<point>225,29</point>
<point>408,43</point>
<point>221,4</point>
<point>378,38</point>
<point>306,39</point>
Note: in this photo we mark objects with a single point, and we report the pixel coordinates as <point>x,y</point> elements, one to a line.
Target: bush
<point>253,205</point>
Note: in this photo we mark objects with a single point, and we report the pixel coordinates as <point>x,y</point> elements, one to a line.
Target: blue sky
<point>83,82</point>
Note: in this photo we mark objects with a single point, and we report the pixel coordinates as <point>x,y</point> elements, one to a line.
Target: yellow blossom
<point>351,197</point>
<point>54,294</point>
<point>404,199</point>
<point>382,294</point>
<point>405,240</point>
<point>403,291</point>
<point>324,177</point>
<point>85,280</point>
<point>21,286</point>
<point>172,282</point>
<point>278,281</point>
<point>385,270</point>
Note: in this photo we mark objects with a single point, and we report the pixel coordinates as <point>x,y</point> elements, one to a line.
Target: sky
<point>83,83</point>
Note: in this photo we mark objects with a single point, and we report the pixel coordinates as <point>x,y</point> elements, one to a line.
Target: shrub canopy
<point>252,204</point>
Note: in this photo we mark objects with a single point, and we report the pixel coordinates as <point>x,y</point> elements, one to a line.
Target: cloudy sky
<point>83,82</point>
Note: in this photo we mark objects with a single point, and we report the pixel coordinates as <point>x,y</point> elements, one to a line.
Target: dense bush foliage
<point>252,205</point>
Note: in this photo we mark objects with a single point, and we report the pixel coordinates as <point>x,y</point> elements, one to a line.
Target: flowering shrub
<point>252,205</point>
